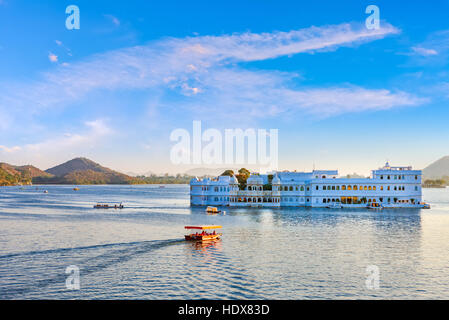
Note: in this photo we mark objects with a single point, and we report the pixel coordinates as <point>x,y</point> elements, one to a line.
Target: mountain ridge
<point>77,171</point>
<point>84,171</point>
<point>437,169</point>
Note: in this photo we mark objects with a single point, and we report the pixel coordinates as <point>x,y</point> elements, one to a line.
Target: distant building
<point>388,186</point>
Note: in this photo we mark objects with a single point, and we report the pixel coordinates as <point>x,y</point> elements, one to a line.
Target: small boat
<point>45,191</point>
<point>108,206</point>
<point>214,210</point>
<point>204,235</point>
<point>335,205</point>
<point>76,189</point>
<point>425,205</point>
<point>374,205</point>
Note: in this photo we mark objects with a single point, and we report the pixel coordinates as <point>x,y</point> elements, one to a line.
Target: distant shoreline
<point>434,187</point>
<point>92,184</point>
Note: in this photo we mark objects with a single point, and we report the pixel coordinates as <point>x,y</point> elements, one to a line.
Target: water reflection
<point>205,246</point>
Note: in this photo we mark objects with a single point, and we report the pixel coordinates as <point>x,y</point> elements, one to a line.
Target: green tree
<point>242,177</point>
<point>229,173</point>
<point>245,172</point>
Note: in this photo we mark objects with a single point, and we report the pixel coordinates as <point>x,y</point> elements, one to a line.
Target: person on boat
<point>213,233</point>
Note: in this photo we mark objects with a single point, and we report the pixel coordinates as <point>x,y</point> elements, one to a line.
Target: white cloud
<point>113,19</point>
<point>58,148</point>
<point>10,150</point>
<point>52,57</point>
<point>204,68</point>
<point>95,130</point>
<point>266,94</point>
<point>434,50</point>
<point>424,52</point>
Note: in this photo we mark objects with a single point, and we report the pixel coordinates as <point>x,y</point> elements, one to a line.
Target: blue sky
<point>342,96</point>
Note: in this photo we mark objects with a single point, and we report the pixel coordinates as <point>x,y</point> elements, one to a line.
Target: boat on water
<point>375,206</point>
<point>214,210</point>
<point>45,191</point>
<point>108,206</point>
<point>76,189</point>
<point>335,205</point>
<point>425,205</point>
<point>207,233</point>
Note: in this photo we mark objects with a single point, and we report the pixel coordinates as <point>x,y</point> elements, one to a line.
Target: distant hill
<point>438,169</point>
<point>84,171</point>
<point>13,175</point>
<point>77,164</point>
<point>78,171</point>
<point>7,178</point>
<point>28,170</point>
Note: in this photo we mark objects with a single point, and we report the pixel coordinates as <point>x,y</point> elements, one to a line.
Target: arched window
<point>354,188</point>
<point>302,188</point>
<point>369,188</point>
<point>343,187</point>
<point>291,188</point>
<point>349,188</point>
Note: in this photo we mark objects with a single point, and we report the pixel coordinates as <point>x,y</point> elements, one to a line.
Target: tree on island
<point>242,177</point>
<point>244,172</point>
<point>229,173</point>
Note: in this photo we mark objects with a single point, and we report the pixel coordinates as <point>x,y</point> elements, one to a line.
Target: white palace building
<point>390,187</point>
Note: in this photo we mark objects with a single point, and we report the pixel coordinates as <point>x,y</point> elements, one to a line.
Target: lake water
<point>139,252</point>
